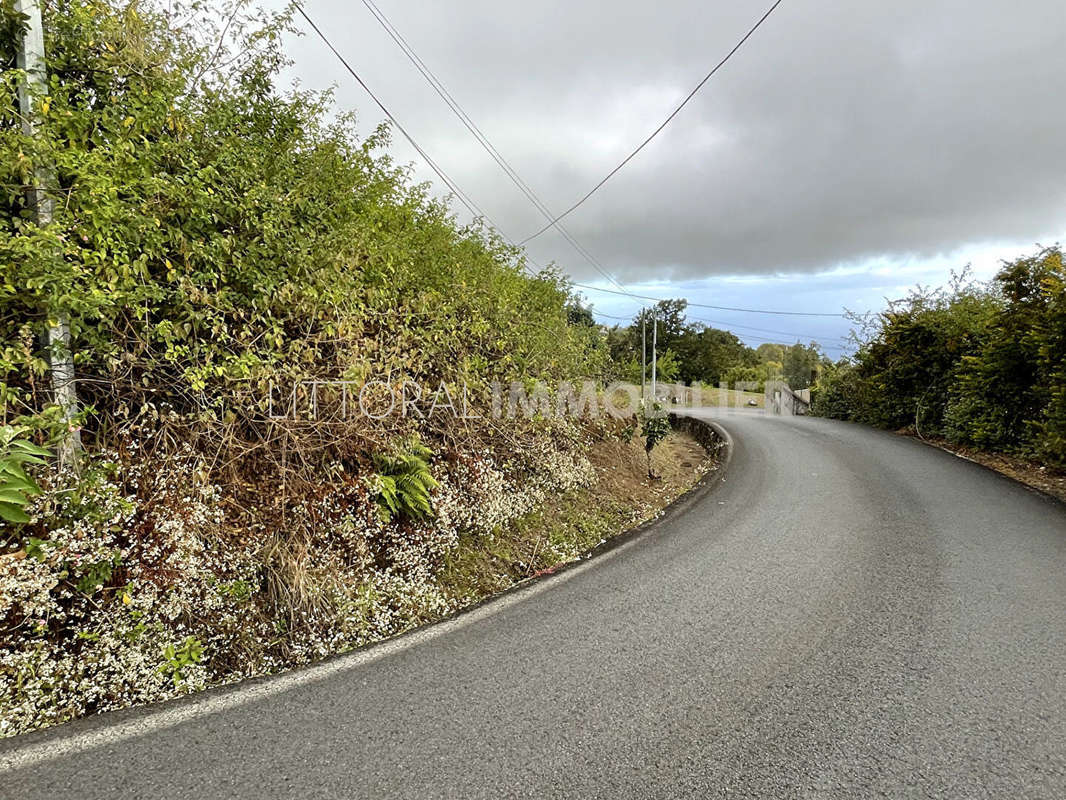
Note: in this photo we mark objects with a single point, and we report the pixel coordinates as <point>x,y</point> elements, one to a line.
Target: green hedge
<point>982,365</point>
<point>216,235</point>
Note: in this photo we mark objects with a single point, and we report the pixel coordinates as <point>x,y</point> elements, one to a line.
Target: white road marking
<point>204,705</point>
<point>279,684</point>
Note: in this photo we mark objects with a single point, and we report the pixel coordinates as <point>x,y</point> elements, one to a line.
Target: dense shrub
<point>215,235</point>
<point>983,365</point>
<point>218,241</point>
<point>839,393</point>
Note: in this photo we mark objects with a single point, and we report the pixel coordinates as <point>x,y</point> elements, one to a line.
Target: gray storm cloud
<point>841,131</point>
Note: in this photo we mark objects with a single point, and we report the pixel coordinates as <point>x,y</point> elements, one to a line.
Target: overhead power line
<point>821,342</point>
<point>716,308</point>
<point>554,222</point>
<point>729,326</point>
<point>496,155</point>
<point>453,187</point>
<point>472,207</point>
<point>480,136</point>
<point>792,334</point>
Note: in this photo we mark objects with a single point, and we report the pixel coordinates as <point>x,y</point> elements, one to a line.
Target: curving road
<point>846,614</point>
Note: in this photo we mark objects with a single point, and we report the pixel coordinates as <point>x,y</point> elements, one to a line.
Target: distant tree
<point>800,365</point>
<point>700,353</point>
<point>770,352</point>
<point>668,317</point>
<point>577,314</point>
<point>623,344</point>
<point>667,367</point>
<point>708,353</point>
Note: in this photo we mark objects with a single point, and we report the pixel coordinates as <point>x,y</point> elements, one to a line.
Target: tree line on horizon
<point>692,352</point>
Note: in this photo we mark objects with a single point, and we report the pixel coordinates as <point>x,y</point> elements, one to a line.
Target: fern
<point>404,481</point>
<point>16,487</point>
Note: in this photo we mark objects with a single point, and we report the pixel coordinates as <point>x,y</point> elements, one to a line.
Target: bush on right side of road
<point>982,365</point>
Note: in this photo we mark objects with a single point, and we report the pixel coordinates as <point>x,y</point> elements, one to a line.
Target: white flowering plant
<point>141,579</point>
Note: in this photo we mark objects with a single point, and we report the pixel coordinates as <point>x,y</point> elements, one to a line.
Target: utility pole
<point>654,349</point>
<point>643,355</point>
<point>31,59</point>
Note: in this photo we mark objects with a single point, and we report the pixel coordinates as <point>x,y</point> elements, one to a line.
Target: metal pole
<point>31,59</point>
<point>643,355</point>
<point>654,348</point>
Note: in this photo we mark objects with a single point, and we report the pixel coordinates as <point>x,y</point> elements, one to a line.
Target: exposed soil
<point>622,497</point>
<point>623,473</point>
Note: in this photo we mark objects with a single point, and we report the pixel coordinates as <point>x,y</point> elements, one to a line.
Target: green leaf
<point>31,448</point>
<point>12,496</point>
<point>11,467</point>
<point>19,485</point>
<point>35,549</point>
<point>12,513</point>
<point>24,458</point>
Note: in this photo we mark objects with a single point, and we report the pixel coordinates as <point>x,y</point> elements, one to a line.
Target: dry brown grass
<point>622,497</point>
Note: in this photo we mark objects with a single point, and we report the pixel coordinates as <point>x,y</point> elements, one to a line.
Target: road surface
<point>847,614</point>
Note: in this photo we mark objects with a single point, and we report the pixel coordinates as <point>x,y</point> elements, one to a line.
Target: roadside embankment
<point>160,591</point>
<point>570,526</point>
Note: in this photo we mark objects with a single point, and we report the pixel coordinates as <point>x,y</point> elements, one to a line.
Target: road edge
<point>87,733</point>
<point>987,467</point>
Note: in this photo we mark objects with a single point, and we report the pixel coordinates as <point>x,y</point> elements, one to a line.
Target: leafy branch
<point>16,486</point>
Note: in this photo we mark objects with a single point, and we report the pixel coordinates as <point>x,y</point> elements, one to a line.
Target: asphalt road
<point>847,614</point>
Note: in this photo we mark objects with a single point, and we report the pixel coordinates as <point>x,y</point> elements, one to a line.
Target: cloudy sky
<point>847,152</point>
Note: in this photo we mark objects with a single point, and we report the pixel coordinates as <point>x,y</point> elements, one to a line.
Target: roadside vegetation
<point>620,497</point>
<point>694,353</point>
<point>976,365</point>
<point>219,243</point>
